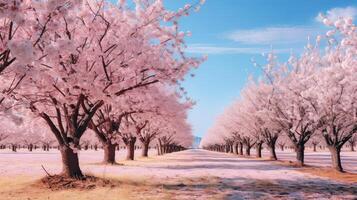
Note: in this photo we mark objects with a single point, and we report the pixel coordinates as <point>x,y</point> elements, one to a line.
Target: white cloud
<point>273,35</point>
<point>211,49</point>
<point>335,13</point>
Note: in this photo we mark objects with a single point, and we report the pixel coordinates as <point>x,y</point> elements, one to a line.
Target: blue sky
<point>232,32</point>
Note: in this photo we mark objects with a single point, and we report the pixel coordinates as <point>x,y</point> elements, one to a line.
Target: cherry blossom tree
<point>333,96</point>
<point>90,57</point>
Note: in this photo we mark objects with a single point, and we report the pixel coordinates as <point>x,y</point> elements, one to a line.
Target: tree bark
<point>70,163</point>
<point>158,150</point>
<point>130,148</point>
<point>258,148</point>
<point>241,148</point>
<point>272,151</point>
<point>314,147</point>
<point>13,148</point>
<point>247,150</point>
<point>336,157</point>
<point>109,153</point>
<point>145,149</point>
<point>299,149</point>
<point>30,147</point>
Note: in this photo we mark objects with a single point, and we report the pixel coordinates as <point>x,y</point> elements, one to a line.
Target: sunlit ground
<point>191,174</point>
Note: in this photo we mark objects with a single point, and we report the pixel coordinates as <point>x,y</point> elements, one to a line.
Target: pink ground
<point>198,174</point>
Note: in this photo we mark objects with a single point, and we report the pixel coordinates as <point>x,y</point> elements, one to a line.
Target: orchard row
<point>75,70</point>
<point>310,99</point>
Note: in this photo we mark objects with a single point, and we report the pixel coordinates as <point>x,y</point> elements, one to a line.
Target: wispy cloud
<point>212,49</point>
<point>273,35</point>
<point>335,13</point>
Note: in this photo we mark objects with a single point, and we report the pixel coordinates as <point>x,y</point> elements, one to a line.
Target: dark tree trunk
<point>258,148</point>
<point>272,153</point>
<point>30,147</point>
<point>14,148</point>
<point>336,158</point>
<point>130,148</point>
<point>271,143</point>
<point>145,149</point>
<point>109,153</point>
<point>352,147</point>
<point>241,148</point>
<point>70,163</point>
<point>300,149</point>
<point>247,150</point>
<point>158,150</point>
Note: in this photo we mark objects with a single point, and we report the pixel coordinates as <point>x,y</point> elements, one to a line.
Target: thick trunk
<point>109,153</point>
<point>241,148</point>
<point>70,163</point>
<point>336,157</point>
<point>300,149</point>
<point>231,148</point>
<point>352,147</point>
<point>247,150</point>
<point>130,148</point>
<point>258,148</point>
<point>145,149</point>
<point>271,143</point>
<point>272,152</point>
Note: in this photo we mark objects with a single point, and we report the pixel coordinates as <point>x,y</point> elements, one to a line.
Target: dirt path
<point>192,174</point>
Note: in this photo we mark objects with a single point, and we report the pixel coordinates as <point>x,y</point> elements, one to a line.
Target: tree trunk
<point>109,153</point>
<point>299,149</point>
<point>241,148</point>
<point>258,148</point>
<point>336,158</point>
<point>145,149</point>
<point>247,150</point>
<point>13,148</point>
<point>130,148</point>
<point>314,147</point>
<point>30,147</point>
<point>352,147</point>
<point>272,152</point>
<point>282,147</point>
<point>158,150</point>
<point>70,163</point>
